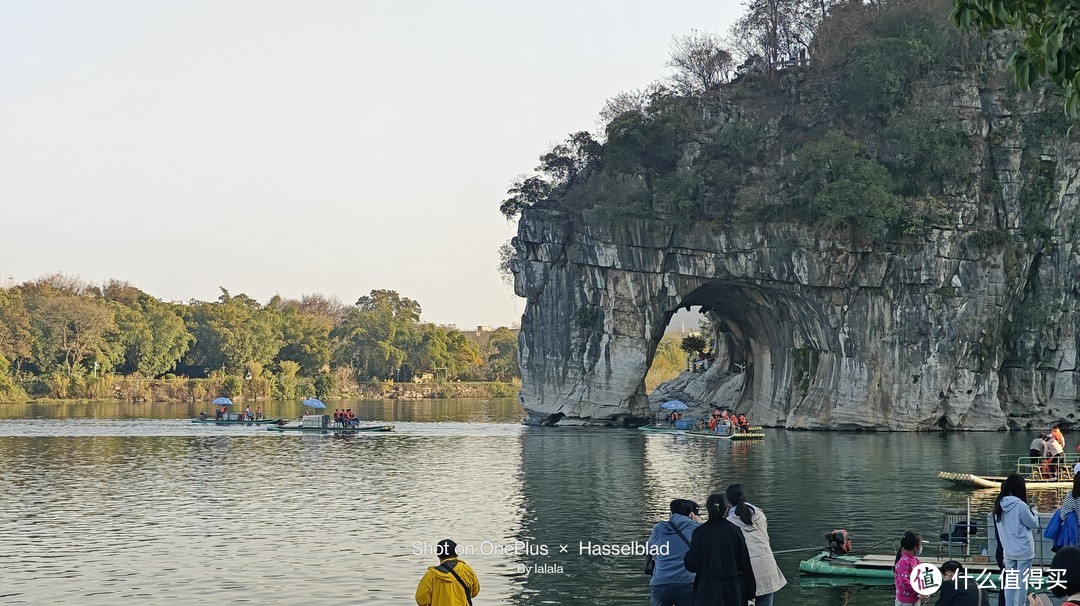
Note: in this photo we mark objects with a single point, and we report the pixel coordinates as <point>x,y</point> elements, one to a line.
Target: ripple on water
<point>145,511</point>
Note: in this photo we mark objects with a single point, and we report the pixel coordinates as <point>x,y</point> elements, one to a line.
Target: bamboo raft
<point>335,430</point>
<point>754,433</point>
<point>971,480</point>
<point>213,421</point>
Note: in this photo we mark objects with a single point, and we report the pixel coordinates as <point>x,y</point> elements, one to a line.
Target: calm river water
<point>132,504</point>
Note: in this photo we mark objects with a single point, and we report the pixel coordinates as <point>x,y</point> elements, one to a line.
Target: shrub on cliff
<point>880,71</point>
<point>837,185</point>
<point>559,170</point>
<point>925,152</point>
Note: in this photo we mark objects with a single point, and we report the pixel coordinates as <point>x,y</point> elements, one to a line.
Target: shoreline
<point>166,391</point>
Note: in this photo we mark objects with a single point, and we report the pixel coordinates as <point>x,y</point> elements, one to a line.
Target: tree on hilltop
<point>700,61</point>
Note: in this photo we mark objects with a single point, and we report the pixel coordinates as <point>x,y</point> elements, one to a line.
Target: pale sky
<point>300,147</point>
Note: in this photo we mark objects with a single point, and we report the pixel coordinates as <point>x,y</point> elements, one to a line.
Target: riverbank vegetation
<point>814,111</point>
<point>61,337</point>
<point>668,361</point>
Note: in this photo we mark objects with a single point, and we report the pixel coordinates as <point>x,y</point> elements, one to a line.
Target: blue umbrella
<point>314,403</point>
<point>674,405</point>
<point>222,402</point>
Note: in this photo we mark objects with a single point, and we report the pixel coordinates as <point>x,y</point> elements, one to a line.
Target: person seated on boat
<point>250,416</point>
<point>700,426</point>
<point>219,414</point>
<point>743,423</point>
<point>337,416</point>
<point>202,415</point>
<point>259,414</point>
<point>353,421</point>
<point>713,422</point>
<point>958,589</point>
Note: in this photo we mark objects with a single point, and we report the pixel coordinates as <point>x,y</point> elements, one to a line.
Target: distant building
<point>484,329</point>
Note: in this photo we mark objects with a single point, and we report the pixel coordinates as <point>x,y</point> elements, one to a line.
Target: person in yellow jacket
<point>451,583</point>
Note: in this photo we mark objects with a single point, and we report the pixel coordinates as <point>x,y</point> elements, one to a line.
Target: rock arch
<point>834,334</point>
<point>778,340</point>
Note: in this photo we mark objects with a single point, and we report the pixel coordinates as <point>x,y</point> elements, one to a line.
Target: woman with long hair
<point>907,558</point>
<point>755,528</point>
<point>1014,519</point>
<point>718,556</point>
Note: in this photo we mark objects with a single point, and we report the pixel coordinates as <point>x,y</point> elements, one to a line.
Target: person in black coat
<point>958,589</point>
<point>999,556</point>
<point>718,556</point>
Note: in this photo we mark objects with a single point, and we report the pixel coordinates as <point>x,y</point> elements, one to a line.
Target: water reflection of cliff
<point>581,486</point>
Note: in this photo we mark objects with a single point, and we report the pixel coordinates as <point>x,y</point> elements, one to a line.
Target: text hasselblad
<point>523,548</point>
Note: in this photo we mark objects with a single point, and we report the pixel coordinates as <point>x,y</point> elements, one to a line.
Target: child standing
<point>907,558</point>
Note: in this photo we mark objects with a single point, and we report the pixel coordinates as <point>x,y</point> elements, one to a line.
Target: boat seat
<point>956,532</point>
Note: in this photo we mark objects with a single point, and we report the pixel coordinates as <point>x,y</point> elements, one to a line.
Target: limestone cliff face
<point>939,328</point>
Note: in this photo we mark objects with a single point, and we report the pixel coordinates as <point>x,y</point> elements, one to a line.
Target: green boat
<point>879,566</point>
<point>213,421</point>
<point>335,430</point>
<point>847,566</point>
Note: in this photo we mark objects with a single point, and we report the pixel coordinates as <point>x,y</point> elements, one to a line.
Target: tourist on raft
<point>755,529</point>
<point>907,558</point>
<point>720,560</point>
<point>672,584</point>
<point>1015,519</point>
<point>1055,457</point>
<point>1037,449</point>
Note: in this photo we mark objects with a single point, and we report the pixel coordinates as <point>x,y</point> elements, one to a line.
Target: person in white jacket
<point>755,528</point>
<point>1015,519</point>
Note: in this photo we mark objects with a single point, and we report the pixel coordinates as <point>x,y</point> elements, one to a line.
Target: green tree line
<point>58,335</point>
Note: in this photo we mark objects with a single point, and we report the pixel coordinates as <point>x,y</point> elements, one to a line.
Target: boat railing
<point>1010,463</point>
<point>962,535</point>
<point>971,536</point>
<point>1043,470</point>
